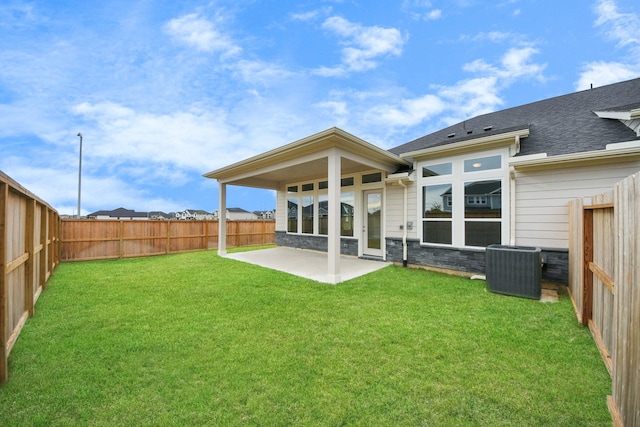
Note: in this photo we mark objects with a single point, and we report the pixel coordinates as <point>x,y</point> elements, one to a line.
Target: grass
<point>195,339</point>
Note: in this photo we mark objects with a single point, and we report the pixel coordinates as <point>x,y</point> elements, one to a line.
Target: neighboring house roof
<point>480,188</point>
<point>119,213</point>
<point>158,214</point>
<point>237,210</point>
<point>561,125</point>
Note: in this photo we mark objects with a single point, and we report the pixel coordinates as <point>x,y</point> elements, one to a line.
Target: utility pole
<point>79,173</point>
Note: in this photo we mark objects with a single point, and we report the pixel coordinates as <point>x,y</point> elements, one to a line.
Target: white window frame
<point>357,188</point>
<point>457,179</point>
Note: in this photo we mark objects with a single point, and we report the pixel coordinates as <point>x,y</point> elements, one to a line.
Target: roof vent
<point>487,128</point>
<point>469,132</point>
<point>451,135</point>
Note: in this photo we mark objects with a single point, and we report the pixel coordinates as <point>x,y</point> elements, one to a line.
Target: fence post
<point>121,250</point>
<point>4,294</point>
<point>44,244</point>
<point>30,264</point>
<point>168,248</point>
<point>587,276</point>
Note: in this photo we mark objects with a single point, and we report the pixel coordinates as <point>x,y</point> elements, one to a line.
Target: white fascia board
<point>474,144</point>
<point>619,115</point>
<point>541,161</point>
<point>621,145</point>
<point>616,115</point>
<point>297,149</point>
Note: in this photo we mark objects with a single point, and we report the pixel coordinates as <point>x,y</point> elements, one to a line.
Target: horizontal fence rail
<point>29,237</point>
<point>83,240</point>
<point>604,283</point>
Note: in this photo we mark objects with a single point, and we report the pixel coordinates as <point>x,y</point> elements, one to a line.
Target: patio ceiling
<point>306,159</point>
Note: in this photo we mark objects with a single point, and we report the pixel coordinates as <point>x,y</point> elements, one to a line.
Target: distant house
<point>500,178</point>
<point>265,214</point>
<point>158,215</point>
<point>193,215</point>
<point>239,214</point>
<point>119,213</point>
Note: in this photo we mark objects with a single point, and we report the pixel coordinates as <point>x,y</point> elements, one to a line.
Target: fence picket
<point>604,284</point>
<point>103,239</point>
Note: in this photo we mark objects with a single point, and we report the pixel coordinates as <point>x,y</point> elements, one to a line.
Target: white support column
<point>333,237</point>
<point>222,220</point>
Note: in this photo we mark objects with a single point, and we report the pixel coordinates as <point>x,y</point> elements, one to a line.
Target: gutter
<point>620,150</point>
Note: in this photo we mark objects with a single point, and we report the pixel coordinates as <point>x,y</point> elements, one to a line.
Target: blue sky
<point>164,91</point>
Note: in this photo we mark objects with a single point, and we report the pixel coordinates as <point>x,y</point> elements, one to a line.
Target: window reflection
<point>436,170</point>
<point>483,199</point>
<point>292,215</point>
<point>323,214</point>
<point>347,201</point>
<point>307,214</point>
<point>437,201</point>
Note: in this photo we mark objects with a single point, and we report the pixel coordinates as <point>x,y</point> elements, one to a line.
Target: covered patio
<point>327,156</point>
<point>308,264</point>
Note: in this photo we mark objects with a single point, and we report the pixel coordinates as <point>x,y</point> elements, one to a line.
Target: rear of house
<point>499,178</point>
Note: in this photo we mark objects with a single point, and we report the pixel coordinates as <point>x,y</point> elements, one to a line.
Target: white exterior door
<point>372,223</point>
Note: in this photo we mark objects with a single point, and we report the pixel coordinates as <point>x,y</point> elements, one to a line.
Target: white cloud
<point>624,29</point>
<point>603,73</point>
<point>362,45</point>
<point>408,112</point>
<point>310,15</point>
<point>433,15</point>
<point>446,104</point>
<point>337,109</point>
<point>182,140</point>
<point>515,63</point>
<point>259,71</point>
<point>201,34</point>
<point>621,27</point>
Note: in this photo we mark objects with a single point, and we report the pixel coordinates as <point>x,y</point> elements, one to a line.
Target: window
<point>347,207</point>
<point>346,182</point>
<point>437,170</point>
<point>462,201</point>
<point>308,204</point>
<point>292,215</point>
<point>307,214</point>
<point>323,214</point>
<point>436,213</point>
<point>372,177</point>
<point>482,164</point>
<point>482,212</point>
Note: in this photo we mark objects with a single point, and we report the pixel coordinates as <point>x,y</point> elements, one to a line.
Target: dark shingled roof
<point>561,125</point>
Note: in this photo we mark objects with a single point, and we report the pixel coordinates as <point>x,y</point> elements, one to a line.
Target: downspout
<point>404,222</point>
<point>512,206</point>
<point>512,196</point>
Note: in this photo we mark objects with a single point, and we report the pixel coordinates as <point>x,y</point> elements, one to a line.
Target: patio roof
<point>327,155</point>
<point>306,159</point>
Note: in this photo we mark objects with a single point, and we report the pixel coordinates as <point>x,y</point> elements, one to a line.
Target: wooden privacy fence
<point>604,282</point>
<point>29,230</point>
<point>103,239</point>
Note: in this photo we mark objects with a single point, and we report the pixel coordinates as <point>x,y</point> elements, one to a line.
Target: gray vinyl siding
<point>394,210</point>
<point>542,197</point>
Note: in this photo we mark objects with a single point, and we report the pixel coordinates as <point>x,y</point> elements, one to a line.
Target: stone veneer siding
<point>348,246</point>
<point>555,268</point>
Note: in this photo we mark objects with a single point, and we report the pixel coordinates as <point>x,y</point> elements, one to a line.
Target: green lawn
<point>194,339</point>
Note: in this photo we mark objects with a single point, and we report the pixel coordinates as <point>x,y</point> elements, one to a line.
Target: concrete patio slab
<point>308,264</point>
